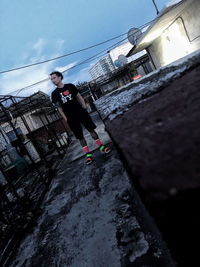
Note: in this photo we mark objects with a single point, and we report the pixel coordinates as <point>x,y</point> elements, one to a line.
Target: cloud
<point>80,76</point>
<point>39,45</point>
<point>59,44</point>
<point>65,68</point>
<point>11,82</point>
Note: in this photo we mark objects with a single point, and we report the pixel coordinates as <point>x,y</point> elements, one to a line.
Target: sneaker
<point>89,158</point>
<point>104,149</point>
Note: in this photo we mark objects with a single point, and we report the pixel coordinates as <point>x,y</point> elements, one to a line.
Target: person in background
<point>72,107</point>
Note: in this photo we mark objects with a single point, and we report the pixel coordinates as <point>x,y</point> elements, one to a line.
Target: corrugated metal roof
<point>23,105</point>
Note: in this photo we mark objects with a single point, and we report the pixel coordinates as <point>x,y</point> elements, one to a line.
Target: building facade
<point>102,67</point>
<point>122,49</point>
<point>174,34</point>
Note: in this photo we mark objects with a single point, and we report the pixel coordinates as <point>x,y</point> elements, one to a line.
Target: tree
<point>82,86</point>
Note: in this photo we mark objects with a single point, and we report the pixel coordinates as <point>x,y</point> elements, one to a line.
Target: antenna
<point>122,60</point>
<point>133,35</point>
<point>117,63</point>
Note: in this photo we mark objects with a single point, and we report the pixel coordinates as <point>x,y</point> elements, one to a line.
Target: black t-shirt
<point>66,97</point>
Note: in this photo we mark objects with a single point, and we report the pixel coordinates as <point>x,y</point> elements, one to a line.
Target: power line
<point>68,54</point>
<point>82,62</point>
<point>85,61</point>
<point>80,50</point>
<point>45,80</point>
<point>59,57</point>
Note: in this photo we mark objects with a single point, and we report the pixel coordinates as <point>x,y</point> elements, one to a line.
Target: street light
<point>155,6</point>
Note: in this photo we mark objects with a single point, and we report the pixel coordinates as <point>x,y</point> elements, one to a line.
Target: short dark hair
<point>57,73</point>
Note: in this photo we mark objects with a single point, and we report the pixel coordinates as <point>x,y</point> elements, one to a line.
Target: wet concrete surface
<point>92,217</point>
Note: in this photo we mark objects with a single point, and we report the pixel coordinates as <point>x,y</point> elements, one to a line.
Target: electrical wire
<point>77,51</point>
<point>69,54</point>
<point>82,62</point>
<point>59,57</point>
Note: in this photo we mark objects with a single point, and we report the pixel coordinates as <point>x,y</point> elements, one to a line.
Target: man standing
<point>72,107</point>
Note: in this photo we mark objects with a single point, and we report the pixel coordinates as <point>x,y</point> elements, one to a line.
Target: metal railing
<point>25,178</point>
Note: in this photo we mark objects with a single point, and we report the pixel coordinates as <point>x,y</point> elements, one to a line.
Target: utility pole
<point>155,7</point>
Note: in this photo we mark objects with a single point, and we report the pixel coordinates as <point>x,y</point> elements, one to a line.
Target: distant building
<point>102,67</point>
<point>122,49</point>
<point>140,60</point>
<point>119,68</point>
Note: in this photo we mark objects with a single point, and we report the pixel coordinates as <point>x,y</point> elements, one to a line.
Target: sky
<point>39,30</point>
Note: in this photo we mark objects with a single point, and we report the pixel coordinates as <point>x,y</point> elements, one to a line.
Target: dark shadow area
<point>178,218</point>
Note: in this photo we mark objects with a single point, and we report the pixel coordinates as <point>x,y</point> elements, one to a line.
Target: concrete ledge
<point>155,125</point>
<point>119,101</point>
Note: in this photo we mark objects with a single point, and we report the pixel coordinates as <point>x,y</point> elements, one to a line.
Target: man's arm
<point>62,113</point>
<point>81,100</point>
<point>57,105</point>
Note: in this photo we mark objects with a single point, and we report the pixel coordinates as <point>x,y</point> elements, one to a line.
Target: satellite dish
<point>117,64</point>
<point>133,35</point>
<point>122,60</point>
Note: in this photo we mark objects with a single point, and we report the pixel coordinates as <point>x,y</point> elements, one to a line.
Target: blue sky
<point>33,31</point>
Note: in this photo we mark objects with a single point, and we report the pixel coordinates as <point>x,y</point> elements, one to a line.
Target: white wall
<point>181,38</point>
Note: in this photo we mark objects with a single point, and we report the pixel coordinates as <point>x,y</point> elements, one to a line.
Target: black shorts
<point>76,127</point>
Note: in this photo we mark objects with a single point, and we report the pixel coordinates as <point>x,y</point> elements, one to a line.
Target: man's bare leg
<point>86,150</point>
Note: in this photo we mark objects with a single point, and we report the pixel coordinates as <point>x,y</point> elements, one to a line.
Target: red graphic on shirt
<point>66,92</point>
